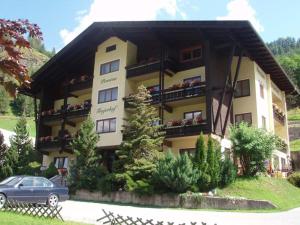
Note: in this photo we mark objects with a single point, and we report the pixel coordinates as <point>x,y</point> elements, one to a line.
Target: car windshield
<point>11,181</point>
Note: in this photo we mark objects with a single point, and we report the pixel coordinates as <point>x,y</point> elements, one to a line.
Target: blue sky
<point>62,20</point>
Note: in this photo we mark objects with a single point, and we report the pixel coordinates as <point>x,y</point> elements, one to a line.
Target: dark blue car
<point>31,189</point>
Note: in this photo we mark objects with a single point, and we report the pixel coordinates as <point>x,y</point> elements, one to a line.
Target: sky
<point>62,20</point>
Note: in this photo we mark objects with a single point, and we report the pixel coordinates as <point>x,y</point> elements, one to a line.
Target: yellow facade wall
<point>126,53</point>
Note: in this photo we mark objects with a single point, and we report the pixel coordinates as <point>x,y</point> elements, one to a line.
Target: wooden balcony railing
<point>186,130</point>
<point>278,115</point>
<point>169,95</point>
<point>71,112</point>
<point>150,66</point>
<point>80,83</point>
<point>50,143</point>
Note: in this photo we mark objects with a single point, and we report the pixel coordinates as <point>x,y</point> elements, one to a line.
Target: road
<point>88,212</point>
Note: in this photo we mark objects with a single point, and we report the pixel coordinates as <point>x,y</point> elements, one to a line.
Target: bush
<point>294,179</point>
<point>51,171</point>
<point>228,172</point>
<point>175,174</point>
<point>253,146</point>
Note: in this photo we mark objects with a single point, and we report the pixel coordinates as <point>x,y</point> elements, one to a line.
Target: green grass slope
<point>279,191</point>
<point>16,219</point>
<point>295,145</point>
<point>9,123</point>
<point>294,114</point>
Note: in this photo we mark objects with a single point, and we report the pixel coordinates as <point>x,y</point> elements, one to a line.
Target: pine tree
<point>200,153</point>
<point>22,145</point>
<point>86,171</point>
<point>142,143</point>
<point>8,158</point>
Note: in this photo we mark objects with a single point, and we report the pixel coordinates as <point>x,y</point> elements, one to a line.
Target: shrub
<point>253,146</point>
<point>51,171</point>
<point>228,172</point>
<point>176,174</point>
<point>294,179</point>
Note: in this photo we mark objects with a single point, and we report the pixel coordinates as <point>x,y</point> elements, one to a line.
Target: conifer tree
<point>21,143</point>
<point>142,142</point>
<point>213,160</point>
<point>7,159</point>
<point>200,153</point>
<point>86,171</point>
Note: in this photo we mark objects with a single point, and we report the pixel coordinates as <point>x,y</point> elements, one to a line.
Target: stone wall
<point>189,201</point>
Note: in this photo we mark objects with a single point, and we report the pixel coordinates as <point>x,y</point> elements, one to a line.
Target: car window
<point>41,182</point>
<point>27,182</point>
<point>7,180</point>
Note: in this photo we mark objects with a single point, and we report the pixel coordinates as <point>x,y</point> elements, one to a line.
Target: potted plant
<point>176,123</point>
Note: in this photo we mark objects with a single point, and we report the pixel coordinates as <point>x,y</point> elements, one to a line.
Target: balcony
<point>187,127</point>
<point>50,143</point>
<point>73,112</point>
<point>80,86</point>
<point>175,93</point>
<point>151,65</point>
<point>278,114</point>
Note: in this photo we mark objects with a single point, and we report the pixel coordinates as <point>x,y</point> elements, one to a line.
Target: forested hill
<point>287,52</point>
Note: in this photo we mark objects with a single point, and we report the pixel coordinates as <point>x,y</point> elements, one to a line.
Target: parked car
<point>32,190</point>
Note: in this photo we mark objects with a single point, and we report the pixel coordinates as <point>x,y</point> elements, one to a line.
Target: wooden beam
<point>168,108</point>
<point>228,74</point>
<point>237,72</point>
<point>70,123</point>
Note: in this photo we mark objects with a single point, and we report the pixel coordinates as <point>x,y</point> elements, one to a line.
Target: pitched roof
<point>83,47</point>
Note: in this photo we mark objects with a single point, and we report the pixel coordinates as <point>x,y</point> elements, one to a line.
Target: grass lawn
<point>295,145</point>
<point>294,114</point>
<point>9,123</point>
<point>7,218</point>
<point>279,191</point>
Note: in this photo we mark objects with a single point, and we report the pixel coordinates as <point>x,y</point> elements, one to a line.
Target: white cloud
<point>242,10</point>
<point>121,10</point>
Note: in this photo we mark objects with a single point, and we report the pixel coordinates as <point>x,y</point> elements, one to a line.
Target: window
<point>111,48</point>
<point>189,151</point>
<point>242,88</point>
<point>108,95</point>
<point>41,182</point>
<point>191,53</point>
<point>109,67</point>
<point>261,88</point>
<point>192,79</point>
<point>264,122</point>
<point>106,126</point>
<point>192,115</point>
<point>27,182</point>
<point>61,162</point>
<point>246,117</point>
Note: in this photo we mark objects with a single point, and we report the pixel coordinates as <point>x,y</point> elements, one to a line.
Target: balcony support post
<point>237,72</point>
<point>225,86</point>
<point>36,120</point>
<point>162,81</point>
<point>64,117</point>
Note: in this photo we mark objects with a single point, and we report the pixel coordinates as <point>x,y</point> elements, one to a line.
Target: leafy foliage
<point>141,146</point>
<point>176,174</point>
<point>253,146</point>
<point>86,171</point>
<point>4,101</point>
<point>13,72</point>
<point>294,179</point>
<point>51,171</point>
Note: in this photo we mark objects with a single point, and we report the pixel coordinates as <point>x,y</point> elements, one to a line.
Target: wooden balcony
<point>51,144</point>
<point>150,66</point>
<point>170,95</point>
<point>72,113</point>
<point>80,86</point>
<point>278,115</point>
<point>186,130</point>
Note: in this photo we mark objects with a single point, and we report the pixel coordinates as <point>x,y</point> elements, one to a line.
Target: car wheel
<point>2,200</point>
<point>53,200</point>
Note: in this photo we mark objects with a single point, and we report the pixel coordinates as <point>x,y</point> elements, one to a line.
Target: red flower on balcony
<point>176,122</point>
<point>185,84</point>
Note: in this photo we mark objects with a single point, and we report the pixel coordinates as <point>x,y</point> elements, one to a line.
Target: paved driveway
<point>90,212</point>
